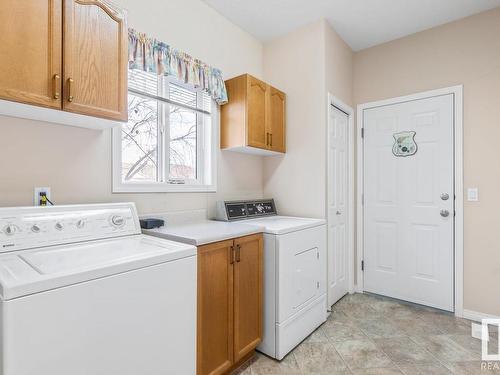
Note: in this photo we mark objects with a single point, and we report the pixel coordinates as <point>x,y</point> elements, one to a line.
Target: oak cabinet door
<point>215,308</point>
<point>95,60</point>
<point>256,113</point>
<point>277,105</point>
<point>30,64</point>
<point>247,294</point>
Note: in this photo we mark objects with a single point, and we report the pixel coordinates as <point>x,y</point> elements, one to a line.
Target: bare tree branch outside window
<point>143,137</point>
<point>140,140</point>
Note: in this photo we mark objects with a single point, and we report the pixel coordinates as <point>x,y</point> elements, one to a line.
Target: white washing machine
<point>294,272</point>
<point>82,292</point>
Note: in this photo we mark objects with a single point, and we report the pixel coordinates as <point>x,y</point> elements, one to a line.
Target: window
<point>169,143</point>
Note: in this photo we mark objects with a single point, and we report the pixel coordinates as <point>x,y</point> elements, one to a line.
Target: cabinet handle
<point>55,86</point>
<point>70,86</point>
<point>238,255</point>
<point>231,256</point>
<point>271,139</point>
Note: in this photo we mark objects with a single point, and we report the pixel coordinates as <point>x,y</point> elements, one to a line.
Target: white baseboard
<point>478,316</point>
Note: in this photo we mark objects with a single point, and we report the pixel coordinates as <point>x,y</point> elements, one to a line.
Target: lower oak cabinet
<point>229,303</point>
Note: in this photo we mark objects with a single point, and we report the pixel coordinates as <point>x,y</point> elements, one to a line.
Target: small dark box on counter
<point>151,223</point>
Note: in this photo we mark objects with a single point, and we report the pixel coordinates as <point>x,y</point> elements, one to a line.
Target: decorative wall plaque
<point>404,144</point>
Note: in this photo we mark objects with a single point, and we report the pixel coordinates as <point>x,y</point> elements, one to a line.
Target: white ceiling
<point>361,23</point>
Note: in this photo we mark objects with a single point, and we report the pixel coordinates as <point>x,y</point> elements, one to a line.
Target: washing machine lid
<point>33,271</point>
<point>285,224</point>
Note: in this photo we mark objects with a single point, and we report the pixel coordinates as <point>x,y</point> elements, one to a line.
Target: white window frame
<point>206,170</point>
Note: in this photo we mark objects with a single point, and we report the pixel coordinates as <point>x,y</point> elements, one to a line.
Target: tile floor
<point>372,335</point>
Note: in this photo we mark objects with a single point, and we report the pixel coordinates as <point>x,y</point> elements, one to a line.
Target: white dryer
<point>294,272</point>
<point>82,292</point>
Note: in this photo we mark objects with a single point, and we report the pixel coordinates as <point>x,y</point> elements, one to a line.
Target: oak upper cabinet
<point>68,55</point>
<point>229,303</point>
<point>30,67</point>
<point>253,120</point>
<point>95,59</point>
<point>257,96</point>
<point>276,123</point>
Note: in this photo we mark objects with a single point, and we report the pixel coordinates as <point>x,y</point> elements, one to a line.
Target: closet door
<point>95,59</point>
<point>30,67</point>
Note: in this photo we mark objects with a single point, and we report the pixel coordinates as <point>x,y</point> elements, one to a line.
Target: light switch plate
<point>473,194</point>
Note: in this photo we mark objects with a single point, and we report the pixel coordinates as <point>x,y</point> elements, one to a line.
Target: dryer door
<point>301,270</point>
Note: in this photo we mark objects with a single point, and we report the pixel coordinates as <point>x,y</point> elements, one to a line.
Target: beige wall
<point>305,64</point>
<point>76,163</point>
<point>338,67</point>
<point>464,52</point>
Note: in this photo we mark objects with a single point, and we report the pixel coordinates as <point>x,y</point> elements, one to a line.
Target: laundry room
<point>249,187</point>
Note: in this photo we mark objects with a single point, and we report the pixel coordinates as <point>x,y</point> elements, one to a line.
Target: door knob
<point>445,213</point>
<point>445,196</point>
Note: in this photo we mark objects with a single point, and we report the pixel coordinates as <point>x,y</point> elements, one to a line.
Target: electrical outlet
<point>39,191</point>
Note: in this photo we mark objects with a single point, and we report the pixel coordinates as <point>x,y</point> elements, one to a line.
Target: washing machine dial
<point>117,220</point>
<point>10,229</point>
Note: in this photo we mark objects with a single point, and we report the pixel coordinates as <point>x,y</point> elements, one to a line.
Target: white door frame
<point>457,91</point>
<point>339,104</point>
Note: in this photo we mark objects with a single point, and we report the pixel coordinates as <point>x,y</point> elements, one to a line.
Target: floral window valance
<point>151,55</point>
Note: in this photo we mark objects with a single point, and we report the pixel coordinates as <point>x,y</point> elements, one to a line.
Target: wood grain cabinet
<point>276,123</point>
<point>95,59</point>
<point>65,54</point>
<point>253,120</point>
<point>229,303</point>
<point>31,62</point>
<point>256,108</point>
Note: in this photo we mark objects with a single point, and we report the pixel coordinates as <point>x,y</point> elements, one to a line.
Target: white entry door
<point>338,164</point>
<point>409,201</point>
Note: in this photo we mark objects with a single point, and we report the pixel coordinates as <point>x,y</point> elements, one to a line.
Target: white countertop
<point>204,232</point>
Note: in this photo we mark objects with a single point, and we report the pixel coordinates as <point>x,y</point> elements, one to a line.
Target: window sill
<point>163,188</point>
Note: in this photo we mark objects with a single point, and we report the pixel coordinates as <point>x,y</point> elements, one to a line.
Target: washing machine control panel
<point>31,227</point>
<point>238,210</point>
